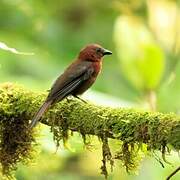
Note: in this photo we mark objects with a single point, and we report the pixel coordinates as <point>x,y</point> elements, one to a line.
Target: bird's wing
<point>70,80</point>
<point>74,75</point>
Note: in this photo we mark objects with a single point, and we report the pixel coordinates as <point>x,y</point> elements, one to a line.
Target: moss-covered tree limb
<point>130,127</point>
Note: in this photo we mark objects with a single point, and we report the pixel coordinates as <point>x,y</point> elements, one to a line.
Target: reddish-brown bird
<point>76,79</point>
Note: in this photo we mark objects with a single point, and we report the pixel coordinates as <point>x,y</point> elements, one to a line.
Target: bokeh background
<point>144,71</point>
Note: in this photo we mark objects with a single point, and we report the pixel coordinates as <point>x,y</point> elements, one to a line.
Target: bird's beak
<point>106,52</point>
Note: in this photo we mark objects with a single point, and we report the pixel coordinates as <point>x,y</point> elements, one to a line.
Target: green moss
<point>107,156</point>
<point>16,141</point>
<point>135,130</point>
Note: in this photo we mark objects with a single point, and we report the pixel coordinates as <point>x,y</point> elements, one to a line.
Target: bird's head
<point>93,52</point>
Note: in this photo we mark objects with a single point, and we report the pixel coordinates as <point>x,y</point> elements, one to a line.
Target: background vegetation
<point>143,72</point>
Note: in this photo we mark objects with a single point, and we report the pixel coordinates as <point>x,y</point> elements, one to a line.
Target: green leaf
<point>141,59</point>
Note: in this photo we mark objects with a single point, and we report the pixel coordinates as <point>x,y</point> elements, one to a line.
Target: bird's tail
<point>39,114</point>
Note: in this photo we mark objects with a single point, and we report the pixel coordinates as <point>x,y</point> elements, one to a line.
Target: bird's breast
<point>97,68</point>
<point>89,82</point>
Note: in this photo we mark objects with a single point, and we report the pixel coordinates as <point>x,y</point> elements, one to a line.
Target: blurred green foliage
<point>141,58</point>
<point>145,40</point>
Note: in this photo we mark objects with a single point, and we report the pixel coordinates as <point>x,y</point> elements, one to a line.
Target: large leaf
<point>141,59</point>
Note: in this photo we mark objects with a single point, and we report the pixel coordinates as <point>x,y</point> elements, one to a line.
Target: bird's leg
<point>68,99</point>
<point>80,98</point>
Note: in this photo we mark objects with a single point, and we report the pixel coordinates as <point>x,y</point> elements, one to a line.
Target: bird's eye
<point>98,50</point>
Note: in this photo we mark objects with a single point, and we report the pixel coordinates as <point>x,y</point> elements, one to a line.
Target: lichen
<point>136,131</point>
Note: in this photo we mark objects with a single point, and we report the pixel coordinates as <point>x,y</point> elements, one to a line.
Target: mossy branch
<point>132,128</point>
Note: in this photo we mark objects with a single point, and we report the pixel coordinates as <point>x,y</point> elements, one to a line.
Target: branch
<point>132,128</point>
<point>173,173</point>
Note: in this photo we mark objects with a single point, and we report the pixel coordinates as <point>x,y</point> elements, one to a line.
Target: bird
<point>76,79</point>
